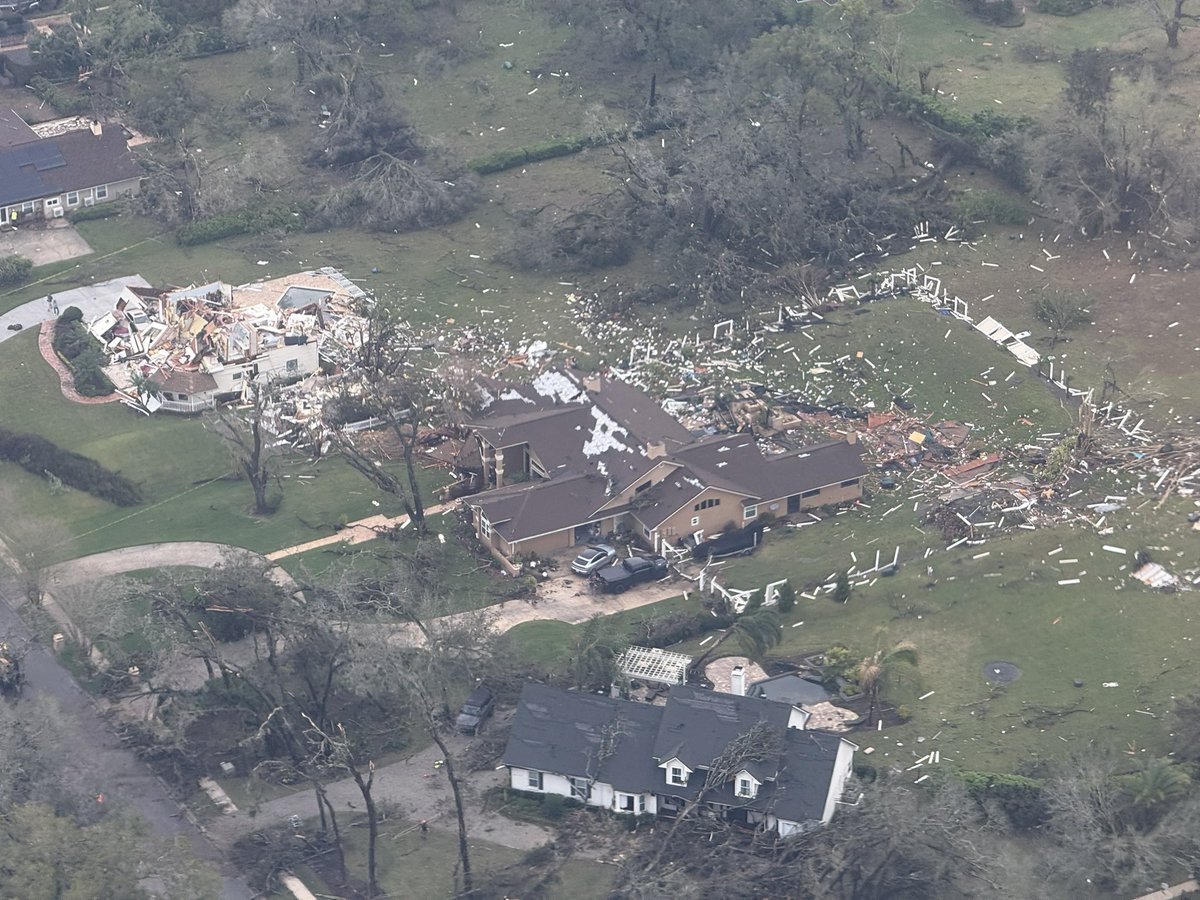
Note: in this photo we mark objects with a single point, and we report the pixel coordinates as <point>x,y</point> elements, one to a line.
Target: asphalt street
<point>118,773</point>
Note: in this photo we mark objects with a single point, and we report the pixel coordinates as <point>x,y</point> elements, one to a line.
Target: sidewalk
<point>358,532</point>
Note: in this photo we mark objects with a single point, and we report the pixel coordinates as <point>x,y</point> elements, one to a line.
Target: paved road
<point>92,299</point>
<point>118,771</point>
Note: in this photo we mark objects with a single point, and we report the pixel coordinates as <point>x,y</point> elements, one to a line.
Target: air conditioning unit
<point>89,201</point>
<point>57,212</point>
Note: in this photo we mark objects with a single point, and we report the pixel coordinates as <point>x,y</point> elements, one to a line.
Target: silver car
<point>593,559</point>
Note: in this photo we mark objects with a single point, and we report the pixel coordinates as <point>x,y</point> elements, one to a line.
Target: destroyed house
<point>201,345</point>
<point>569,458</point>
<point>641,758</point>
<point>45,178</point>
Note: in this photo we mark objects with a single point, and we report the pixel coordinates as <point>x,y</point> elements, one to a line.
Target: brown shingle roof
<point>91,160</point>
<point>521,511</point>
<point>13,130</point>
<point>185,381</point>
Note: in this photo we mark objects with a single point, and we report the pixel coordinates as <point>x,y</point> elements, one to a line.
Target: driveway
<point>45,244</point>
<point>418,788</point>
<point>92,300</point>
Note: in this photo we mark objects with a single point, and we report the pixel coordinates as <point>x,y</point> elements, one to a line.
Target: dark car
<point>744,540</point>
<point>623,575</point>
<point>475,711</point>
<point>594,558</point>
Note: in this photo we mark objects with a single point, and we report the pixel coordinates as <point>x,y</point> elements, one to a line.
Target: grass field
<point>412,864</point>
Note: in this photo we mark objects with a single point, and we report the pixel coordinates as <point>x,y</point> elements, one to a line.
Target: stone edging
<point>66,381</point>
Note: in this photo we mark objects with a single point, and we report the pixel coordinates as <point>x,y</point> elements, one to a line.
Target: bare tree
<point>251,443</point>
<point>30,544</point>
<point>1171,18</point>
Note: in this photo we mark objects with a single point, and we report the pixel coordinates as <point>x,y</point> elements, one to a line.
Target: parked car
<point>594,558</point>
<point>744,540</point>
<point>622,576</point>
<point>479,706</point>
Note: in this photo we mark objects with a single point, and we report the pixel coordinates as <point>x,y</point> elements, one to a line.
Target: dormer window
<point>745,785</point>
<point>676,775</point>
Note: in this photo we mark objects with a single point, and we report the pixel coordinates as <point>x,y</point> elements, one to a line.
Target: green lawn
<point>175,461</point>
<point>412,864</point>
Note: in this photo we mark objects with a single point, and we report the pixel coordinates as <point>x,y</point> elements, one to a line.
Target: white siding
<point>843,767</point>
<point>602,796</point>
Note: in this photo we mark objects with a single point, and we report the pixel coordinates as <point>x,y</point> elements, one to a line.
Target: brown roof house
<point>571,457</point>
<point>43,178</point>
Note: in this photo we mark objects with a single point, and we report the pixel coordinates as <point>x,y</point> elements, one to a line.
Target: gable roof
<point>527,510</point>
<point>68,162</point>
<point>736,462</point>
<point>698,724</point>
<point>621,743</point>
<point>585,736</point>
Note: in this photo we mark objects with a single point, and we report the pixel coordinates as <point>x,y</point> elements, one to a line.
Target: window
<point>625,802</point>
<point>750,512</point>
<point>581,789</point>
<point>237,376</point>
<point>812,493</point>
<point>676,775</point>
<point>72,198</point>
<point>644,486</point>
<point>102,192</point>
<point>707,504</point>
<point>535,780</point>
<point>745,787</point>
<point>485,527</point>
<point>182,396</point>
<point>292,366</point>
<point>641,803</point>
<point>645,531</point>
<point>695,521</point>
<point>851,483</point>
<point>28,206</point>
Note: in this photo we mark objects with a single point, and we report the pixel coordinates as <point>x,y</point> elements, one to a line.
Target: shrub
<point>41,457</point>
<point>1064,7</point>
<point>14,269</point>
<point>82,353</point>
<point>67,104</point>
<point>90,213</point>
<point>992,206</point>
<point>553,807</point>
<point>1021,798</point>
<point>249,220</point>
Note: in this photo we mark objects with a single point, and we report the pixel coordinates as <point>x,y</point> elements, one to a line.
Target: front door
<point>793,506</point>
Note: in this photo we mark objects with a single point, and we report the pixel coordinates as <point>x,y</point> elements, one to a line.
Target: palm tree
<point>757,631</point>
<point>873,670</point>
<point>1155,785</point>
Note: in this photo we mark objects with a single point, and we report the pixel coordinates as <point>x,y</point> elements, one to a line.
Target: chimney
<point>97,128</point>
<point>852,438</point>
<point>591,383</point>
<point>737,681</point>
<point>656,449</point>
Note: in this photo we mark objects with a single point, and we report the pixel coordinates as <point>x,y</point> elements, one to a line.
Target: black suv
<point>625,574</point>
<point>475,711</point>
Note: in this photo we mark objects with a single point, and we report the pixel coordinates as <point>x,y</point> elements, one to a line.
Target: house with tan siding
<point>571,457</point>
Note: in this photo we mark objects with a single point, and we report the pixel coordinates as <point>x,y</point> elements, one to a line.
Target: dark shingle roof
<point>525,510</point>
<point>698,725</point>
<point>184,381</point>
<point>13,130</point>
<point>621,743</point>
<point>585,736</point>
<point>735,462</point>
<point>69,162</point>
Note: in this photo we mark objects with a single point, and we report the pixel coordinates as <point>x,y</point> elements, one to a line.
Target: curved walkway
<point>199,554</point>
<point>66,379</point>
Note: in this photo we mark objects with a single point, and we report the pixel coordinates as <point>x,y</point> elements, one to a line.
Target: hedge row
<point>101,211</point>
<point>83,353</point>
<point>41,457</point>
<point>519,156</point>
<point>1022,799</point>
<point>973,127</point>
<point>248,220</point>
<point>14,269</point>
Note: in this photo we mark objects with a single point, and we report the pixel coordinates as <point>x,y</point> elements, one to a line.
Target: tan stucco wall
<point>712,520</point>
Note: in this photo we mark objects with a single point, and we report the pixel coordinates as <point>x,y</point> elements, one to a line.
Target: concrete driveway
<point>49,243</point>
<point>92,299</point>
